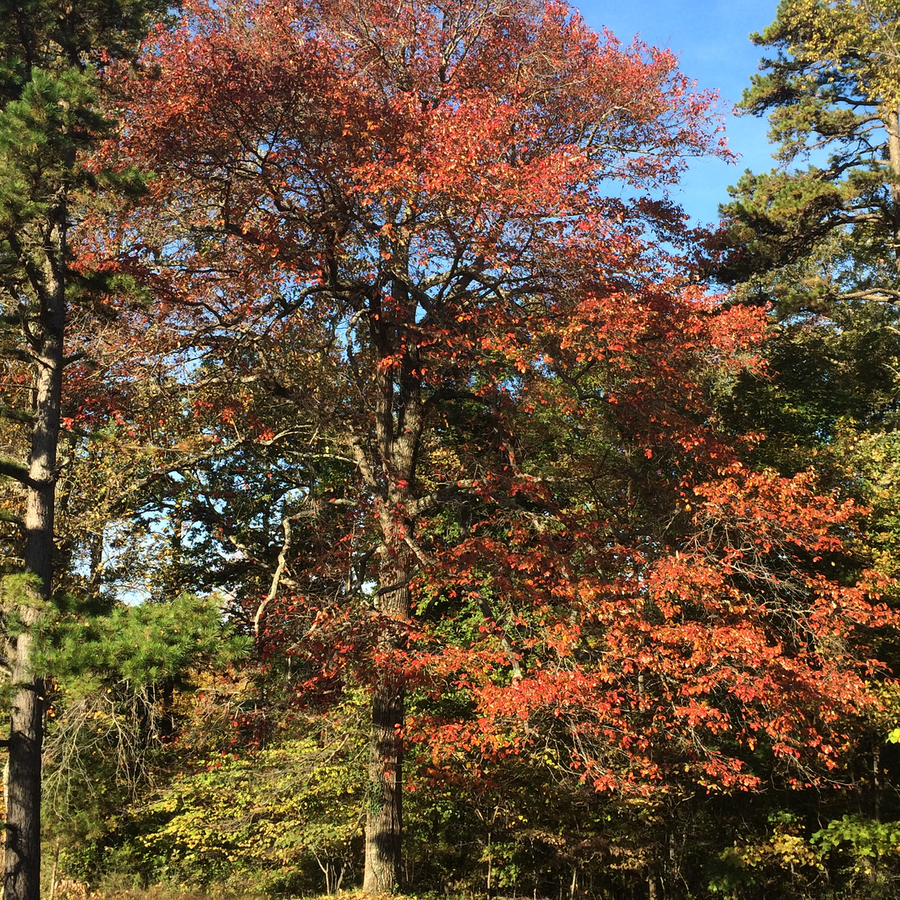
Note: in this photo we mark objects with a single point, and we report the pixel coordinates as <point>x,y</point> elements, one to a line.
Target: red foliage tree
<point>439,233</point>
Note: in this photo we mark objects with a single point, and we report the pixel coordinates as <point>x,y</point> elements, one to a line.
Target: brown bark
<point>390,473</point>
<point>384,814</point>
<point>23,802</point>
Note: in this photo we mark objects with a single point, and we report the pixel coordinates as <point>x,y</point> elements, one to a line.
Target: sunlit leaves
<point>411,230</point>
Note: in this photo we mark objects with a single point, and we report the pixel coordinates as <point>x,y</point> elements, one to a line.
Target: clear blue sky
<point>711,39</point>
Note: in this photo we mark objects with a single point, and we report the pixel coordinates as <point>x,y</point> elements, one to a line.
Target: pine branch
<point>13,469</point>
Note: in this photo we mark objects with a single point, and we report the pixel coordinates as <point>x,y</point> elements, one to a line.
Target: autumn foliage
<point>431,244</point>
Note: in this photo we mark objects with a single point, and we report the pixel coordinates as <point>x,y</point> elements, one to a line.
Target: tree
<point>817,239</point>
<point>439,233</point>
<point>48,56</point>
<point>820,235</point>
<point>121,691</point>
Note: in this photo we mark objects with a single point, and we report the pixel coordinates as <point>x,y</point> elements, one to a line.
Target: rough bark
<point>384,814</point>
<point>398,424</point>
<point>23,806</point>
<point>23,801</point>
<point>384,817</point>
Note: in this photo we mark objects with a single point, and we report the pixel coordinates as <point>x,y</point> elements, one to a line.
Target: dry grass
<point>160,892</point>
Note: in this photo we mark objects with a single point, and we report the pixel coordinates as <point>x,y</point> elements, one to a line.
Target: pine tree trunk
<point>23,802</point>
<point>384,817</point>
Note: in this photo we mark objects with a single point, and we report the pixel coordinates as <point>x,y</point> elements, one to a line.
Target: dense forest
<point>398,494</point>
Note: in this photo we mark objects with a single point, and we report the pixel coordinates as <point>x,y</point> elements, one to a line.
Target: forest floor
<point>156,893</point>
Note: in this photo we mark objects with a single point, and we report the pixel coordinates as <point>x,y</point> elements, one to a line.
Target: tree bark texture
<point>388,465</point>
<point>384,818</point>
<point>384,814</point>
<point>23,802</point>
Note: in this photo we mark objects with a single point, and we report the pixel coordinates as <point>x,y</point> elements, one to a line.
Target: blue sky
<point>711,38</point>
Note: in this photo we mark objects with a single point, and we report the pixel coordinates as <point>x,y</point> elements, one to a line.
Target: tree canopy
<point>411,368</point>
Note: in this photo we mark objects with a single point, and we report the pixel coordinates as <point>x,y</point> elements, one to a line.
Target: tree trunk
<point>384,819</point>
<point>384,815</point>
<point>398,426</point>
<point>23,802</point>
<point>893,130</point>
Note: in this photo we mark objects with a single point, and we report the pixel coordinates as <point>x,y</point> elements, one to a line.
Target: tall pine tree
<point>819,235</point>
<point>50,53</point>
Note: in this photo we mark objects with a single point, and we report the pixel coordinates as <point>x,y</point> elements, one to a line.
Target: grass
<point>161,892</point>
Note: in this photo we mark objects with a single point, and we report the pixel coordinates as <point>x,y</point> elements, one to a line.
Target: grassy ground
<point>162,893</point>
